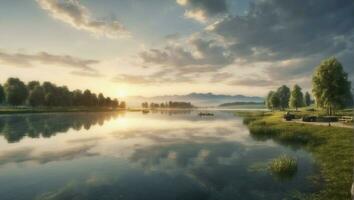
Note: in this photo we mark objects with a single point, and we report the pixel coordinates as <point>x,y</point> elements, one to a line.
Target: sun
<point>122,93</point>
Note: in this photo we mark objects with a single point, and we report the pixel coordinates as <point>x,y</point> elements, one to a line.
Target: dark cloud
<point>78,16</point>
<point>201,10</point>
<point>29,60</point>
<point>278,29</point>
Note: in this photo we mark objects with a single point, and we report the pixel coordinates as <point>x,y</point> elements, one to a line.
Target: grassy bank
<point>331,147</point>
<point>19,110</point>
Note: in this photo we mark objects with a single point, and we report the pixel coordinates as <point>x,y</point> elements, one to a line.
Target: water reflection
<point>16,127</point>
<point>136,156</point>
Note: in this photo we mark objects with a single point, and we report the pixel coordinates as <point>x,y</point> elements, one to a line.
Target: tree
<point>284,95</point>
<point>145,105</point>
<point>296,98</point>
<point>330,86</point>
<point>50,94</point>
<point>32,84</point>
<point>122,105</point>
<point>87,98</point>
<point>101,100</point>
<point>268,99</point>
<point>36,96</point>
<point>77,98</point>
<point>115,103</point>
<point>2,94</point>
<point>307,99</point>
<point>275,100</point>
<point>15,91</point>
<point>108,102</point>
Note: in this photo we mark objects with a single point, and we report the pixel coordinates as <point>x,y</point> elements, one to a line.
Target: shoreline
<point>331,147</point>
<point>9,110</point>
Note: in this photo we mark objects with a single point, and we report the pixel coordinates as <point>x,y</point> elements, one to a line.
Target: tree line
<point>331,90</point>
<point>170,104</point>
<point>15,92</point>
<point>16,127</point>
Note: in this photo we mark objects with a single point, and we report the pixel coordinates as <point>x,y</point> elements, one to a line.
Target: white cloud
<point>78,16</point>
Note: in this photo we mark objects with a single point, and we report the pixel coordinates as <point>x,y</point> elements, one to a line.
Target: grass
<point>331,147</point>
<point>283,167</point>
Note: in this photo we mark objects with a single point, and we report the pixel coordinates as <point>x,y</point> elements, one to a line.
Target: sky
<point>157,47</point>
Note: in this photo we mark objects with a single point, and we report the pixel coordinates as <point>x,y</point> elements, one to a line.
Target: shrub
<point>283,166</point>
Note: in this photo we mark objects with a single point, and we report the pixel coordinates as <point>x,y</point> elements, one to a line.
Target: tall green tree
<point>283,93</point>
<point>296,98</point>
<point>330,85</point>
<point>2,94</point>
<point>36,96</point>
<point>307,99</point>
<point>101,99</point>
<point>268,100</point>
<point>15,91</point>
<point>275,100</point>
<point>32,84</point>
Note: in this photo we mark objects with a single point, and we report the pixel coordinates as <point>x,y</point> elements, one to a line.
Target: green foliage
<point>36,96</point>
<point>283,93</point>
<point>15,91</point>
<point>331,87</point>
<point>32,84</point>
<point>283,166</point>
<point>307,99</point>
<point>2,94</point>
<point>332,149</point>
<point>51,95</point>
<point>296,98</point>
<point>269,100</point>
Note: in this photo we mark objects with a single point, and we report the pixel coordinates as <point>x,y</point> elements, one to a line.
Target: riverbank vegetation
<point>331,147</point>
<point>283,167</point>
<point>331,90</point>
<point>16,96</point>
<point>168,105</point>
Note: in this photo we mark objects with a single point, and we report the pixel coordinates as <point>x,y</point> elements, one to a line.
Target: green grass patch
<point>331,147</point>
<point>283,167</point>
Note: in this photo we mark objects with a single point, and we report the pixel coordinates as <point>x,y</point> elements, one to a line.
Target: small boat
<point>205,114</point>
<point>145,111</point>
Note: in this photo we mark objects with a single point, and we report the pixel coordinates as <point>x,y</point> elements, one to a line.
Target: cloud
<point>92,74</point>
<point>29,60</point>
<point>220,77</point>
<point>27,154</point>
<point>258,82</point>
<point>194,55</point>
<point>291,37</point>
<point>154,78</point>
<point>278,30</point>
<point>78,16</point>
<point>202,10</point>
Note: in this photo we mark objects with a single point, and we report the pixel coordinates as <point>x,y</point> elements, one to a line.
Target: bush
<point>283,166</point>
<point>309,118</point>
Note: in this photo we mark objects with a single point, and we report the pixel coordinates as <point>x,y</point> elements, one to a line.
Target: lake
<point>136,156</point>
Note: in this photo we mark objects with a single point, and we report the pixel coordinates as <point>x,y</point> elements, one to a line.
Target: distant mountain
<point>249,105</point>
<point>197,99</point>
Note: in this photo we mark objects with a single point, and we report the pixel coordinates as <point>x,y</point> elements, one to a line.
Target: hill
<point>197,99</point>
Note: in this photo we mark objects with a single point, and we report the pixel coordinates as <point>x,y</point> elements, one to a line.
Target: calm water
<point>157,156</point>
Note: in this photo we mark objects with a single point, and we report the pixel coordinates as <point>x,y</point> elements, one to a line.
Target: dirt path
<point>335,124</point>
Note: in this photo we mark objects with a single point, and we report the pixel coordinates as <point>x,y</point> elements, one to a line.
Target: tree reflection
<point>16,127</point>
